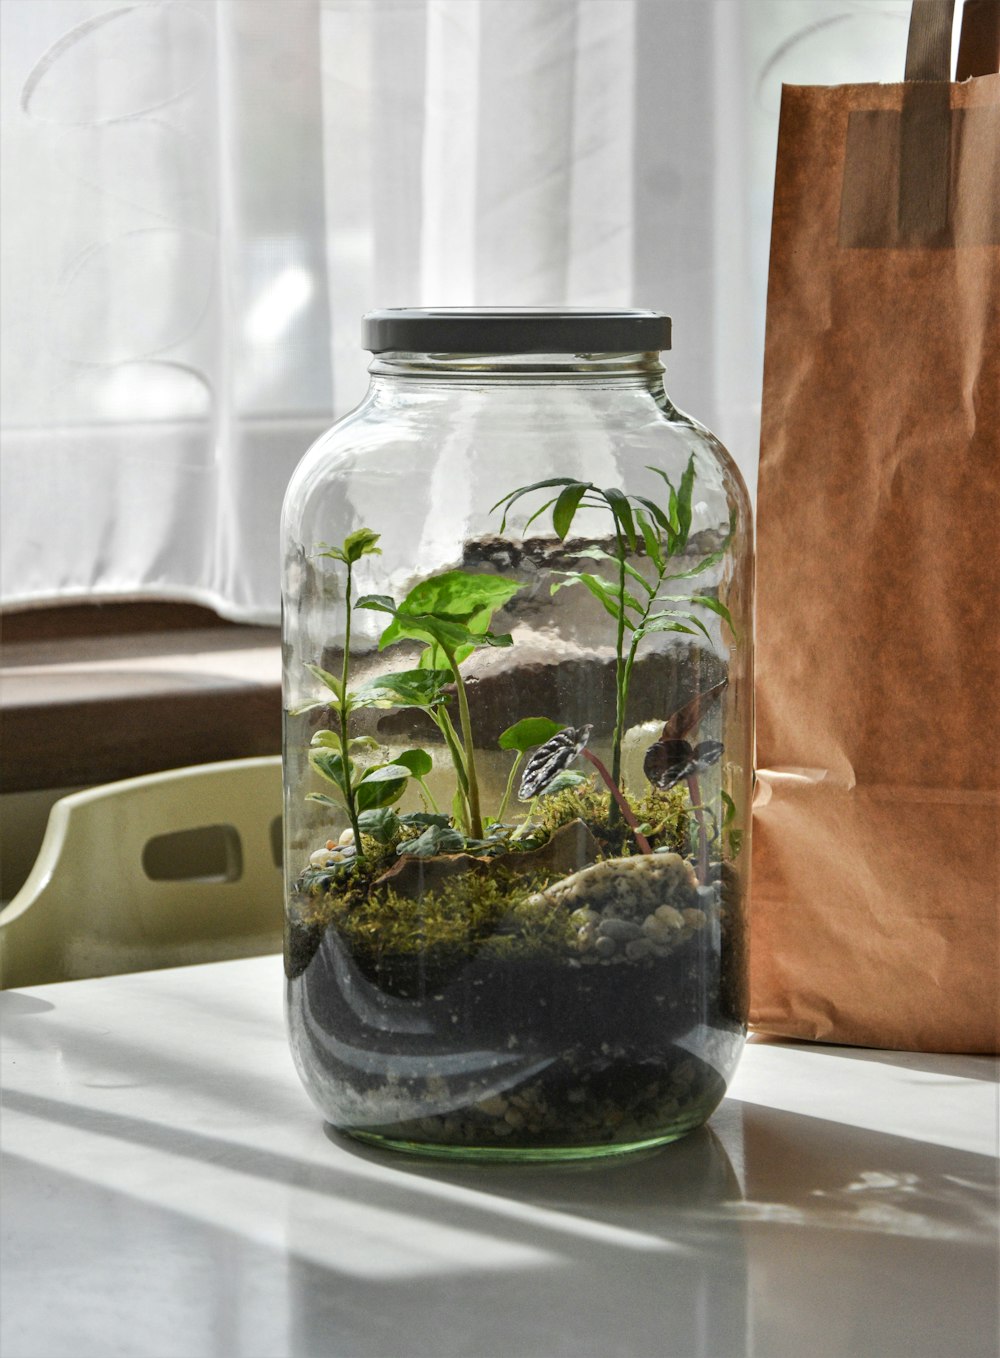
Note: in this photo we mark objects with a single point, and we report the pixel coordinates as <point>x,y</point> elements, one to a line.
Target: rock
<point>625,886</point>
<point>568,849</point>
<point>621,930</point>
<point>412,877</point>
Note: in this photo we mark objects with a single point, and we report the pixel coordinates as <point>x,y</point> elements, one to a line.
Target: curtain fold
<point>201,198</point>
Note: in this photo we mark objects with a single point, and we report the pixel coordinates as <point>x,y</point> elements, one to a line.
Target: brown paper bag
<point>875,917</point>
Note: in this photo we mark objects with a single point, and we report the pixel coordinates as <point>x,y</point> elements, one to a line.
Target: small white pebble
<point>671,917</point>
<point>347,836</point>
<point>322,858</point>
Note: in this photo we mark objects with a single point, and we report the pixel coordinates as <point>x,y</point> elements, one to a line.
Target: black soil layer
<point>519,1053</point>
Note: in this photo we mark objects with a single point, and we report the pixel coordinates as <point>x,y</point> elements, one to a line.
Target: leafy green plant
<point>522,737</point>
<point>340,769</point>
<point>548,766</point>
<point>631,600</point>
<point>451,615</point>
<point>362,789</point>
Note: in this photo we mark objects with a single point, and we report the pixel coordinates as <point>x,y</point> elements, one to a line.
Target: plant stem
<point>694,792</point>
<point>510,785</point>
<point>343,708</point>
<point>620,688</point>
<point>619,801</point>
<point>475,816</point>
<point>444,724</point>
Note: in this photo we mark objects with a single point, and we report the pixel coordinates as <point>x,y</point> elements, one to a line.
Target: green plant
<point>664,531</point>
<point>359,789</point>
<point>550,763</point>
<point>451,615</point>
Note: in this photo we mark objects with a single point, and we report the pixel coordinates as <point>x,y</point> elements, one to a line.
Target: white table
<point>169,1190</point>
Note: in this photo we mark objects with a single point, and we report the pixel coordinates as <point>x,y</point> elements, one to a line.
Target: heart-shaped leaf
<point>408,688</point>
<point>524,735</point>
<point>434,840</point>
<point>418,762</point>
<point>373,792</point>
<point>381,823</point>
<point>329,765</point>
<point>667,762</point>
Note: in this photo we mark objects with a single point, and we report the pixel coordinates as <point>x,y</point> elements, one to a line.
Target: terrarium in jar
<point>518,722</point>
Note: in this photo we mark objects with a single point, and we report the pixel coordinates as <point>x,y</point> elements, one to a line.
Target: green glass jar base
<point>539,1154</point>
<point>514,1154</point>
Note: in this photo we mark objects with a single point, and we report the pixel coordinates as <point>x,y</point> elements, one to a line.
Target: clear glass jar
<point>518,696</point>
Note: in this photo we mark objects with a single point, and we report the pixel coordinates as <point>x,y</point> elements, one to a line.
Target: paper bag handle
<point>928,47</point>
<point>979,44</point>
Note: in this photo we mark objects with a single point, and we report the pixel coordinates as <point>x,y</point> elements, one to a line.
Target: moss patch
<point>487,910</point>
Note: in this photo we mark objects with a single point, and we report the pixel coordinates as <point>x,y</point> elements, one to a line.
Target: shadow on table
<point>787,1234</point>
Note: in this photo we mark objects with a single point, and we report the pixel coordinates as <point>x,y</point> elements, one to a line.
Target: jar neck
<point>637,369</point>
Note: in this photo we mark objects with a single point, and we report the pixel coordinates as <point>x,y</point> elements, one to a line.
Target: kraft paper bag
<point>875,915</point>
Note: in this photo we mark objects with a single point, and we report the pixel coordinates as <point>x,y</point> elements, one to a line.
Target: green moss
<point>489,910</point>
<point>482,909</point>
<point>665,812</point>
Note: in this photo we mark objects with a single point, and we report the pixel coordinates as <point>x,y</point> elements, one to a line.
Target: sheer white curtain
<point>201,197</point>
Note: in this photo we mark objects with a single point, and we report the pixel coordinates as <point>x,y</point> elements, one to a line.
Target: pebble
<point>669,916</point>
<point>583,916</point>
<point>494,1107</point>
<point>332,855</point>
<point>347,836</point>
<point>694,918</point>
<point>621,930</point>
<point>605,947</point>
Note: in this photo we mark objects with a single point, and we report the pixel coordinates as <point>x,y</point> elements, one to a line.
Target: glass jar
<point>518,723</point>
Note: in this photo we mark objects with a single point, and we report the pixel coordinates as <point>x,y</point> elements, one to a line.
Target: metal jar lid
<point>515,330</point>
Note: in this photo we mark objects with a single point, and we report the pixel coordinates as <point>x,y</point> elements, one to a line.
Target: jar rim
<point>515,330</point>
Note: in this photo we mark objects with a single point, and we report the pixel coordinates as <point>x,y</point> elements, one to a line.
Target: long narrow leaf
<point>567,503</point>
<point>684,492</point>
<point>677,613</point>
<point>508,501</point>
<point>652,541</point>
<point>705,564</point>
<point>590,581</point>
<point>702,601</point>
<point>672,515</point>
<point>539,512</point>
<point>714,606</point>
<point>663,626</point>
<point>622,510</point>
<point>599,554</point>
<point>653,509</point>
<point>601,589</point>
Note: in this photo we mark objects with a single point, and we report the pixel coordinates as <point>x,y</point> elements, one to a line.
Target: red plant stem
<point>694,792</point>
<point>623,805</point>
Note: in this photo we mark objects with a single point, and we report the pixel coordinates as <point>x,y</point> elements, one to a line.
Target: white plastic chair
<point>160,871</point>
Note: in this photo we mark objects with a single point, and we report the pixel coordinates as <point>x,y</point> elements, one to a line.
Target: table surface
<point>170,1190</point>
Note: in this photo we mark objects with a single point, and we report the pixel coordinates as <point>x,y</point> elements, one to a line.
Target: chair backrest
<point>165,870</point>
